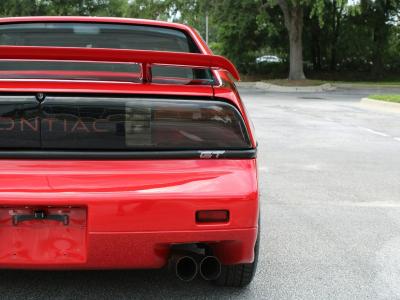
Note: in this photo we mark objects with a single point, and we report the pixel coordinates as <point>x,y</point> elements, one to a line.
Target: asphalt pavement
<point>330,193</point>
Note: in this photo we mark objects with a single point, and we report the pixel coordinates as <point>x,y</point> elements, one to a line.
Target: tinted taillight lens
<point>19,122</point>
<point>212,216</point>
<point>141,124</point>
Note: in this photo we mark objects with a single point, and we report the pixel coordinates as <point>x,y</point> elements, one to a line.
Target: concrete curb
<point>293,89</point>
<point>380,105</point>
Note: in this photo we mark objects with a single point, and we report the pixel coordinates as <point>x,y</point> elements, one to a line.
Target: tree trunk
<point>296,50</point>
<point>380,41</point>
<point>335,35</point>
<point>316,46</point>
<point>293,15</point>
<point>337,16</point>
<point>333,62</point>
<point>381,35</point>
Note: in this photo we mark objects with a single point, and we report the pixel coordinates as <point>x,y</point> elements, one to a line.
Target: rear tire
<point>239,275</point>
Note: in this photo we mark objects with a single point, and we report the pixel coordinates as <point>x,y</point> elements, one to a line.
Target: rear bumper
<point>145,250</point>
<point>135,211</point>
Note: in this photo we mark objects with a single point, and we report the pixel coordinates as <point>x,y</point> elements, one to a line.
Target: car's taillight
<point>19,123</point>
<point>141,124</point>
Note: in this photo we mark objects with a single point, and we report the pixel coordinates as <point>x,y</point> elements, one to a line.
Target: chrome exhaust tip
<point>210,268</point>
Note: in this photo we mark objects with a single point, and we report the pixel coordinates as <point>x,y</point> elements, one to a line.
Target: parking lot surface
<point>330,193</point>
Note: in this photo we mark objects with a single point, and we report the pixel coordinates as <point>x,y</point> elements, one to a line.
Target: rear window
<point>97,35</point>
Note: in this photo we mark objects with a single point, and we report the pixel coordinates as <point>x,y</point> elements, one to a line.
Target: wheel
<point>239,275</point>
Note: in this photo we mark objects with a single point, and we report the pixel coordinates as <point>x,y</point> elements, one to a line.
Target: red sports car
<point>123,144</point>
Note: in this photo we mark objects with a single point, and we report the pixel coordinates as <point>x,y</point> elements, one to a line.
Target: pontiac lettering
<point>51,124</point>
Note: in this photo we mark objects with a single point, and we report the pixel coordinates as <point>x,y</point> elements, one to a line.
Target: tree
<point>148,9</point>
<point>22,8</point>
<point>234,32</point>
<point>61,7</point>
<point>378,15</point>
<point>338,8</point>
<point>192,12</point>
<point>238,32</point>
<point>293,12</point>
<point>315,40</point>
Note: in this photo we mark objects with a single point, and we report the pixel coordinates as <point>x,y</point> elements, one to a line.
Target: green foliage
<point>148,9</point>
<point>22,8</point>
<point>193,13</point>
<point>338,35</point>
<point>238,32</point>
<point>61,7</point>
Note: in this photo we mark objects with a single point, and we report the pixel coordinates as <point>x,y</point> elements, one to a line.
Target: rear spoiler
<point>144,57</point>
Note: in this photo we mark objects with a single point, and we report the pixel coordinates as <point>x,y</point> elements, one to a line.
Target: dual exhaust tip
<point>188,266</point>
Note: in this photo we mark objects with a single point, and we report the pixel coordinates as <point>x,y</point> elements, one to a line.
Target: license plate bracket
<point>43,235</point>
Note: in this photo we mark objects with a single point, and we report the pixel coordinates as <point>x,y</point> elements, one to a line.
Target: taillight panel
<point>100,123</point>
<point>88,123</point>
<point>19,122</point>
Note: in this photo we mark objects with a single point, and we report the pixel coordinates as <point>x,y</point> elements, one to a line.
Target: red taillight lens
<point>212,216</point>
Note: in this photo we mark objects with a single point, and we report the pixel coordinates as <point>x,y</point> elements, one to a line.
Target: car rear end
<point>121,158</point>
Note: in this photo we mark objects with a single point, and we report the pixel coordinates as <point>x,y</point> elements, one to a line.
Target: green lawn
<point>388,98</point>
<point>312,82</point>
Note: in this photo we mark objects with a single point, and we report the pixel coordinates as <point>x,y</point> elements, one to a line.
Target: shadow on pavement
<point>124,284</point>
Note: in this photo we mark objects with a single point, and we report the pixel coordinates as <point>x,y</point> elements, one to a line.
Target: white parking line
<point>373,131</point>
<point>397,139</point>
